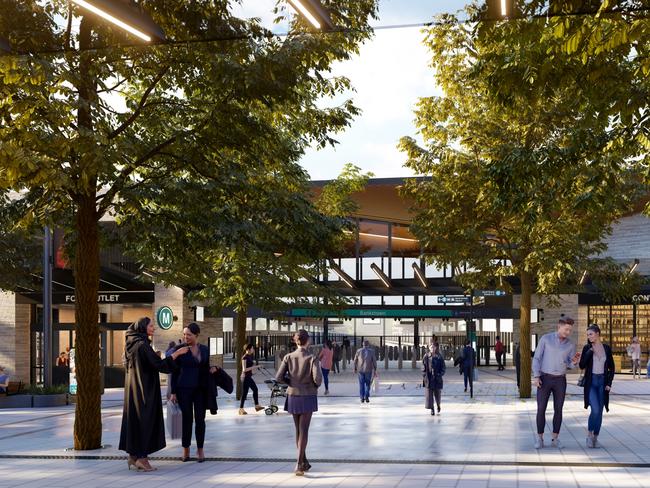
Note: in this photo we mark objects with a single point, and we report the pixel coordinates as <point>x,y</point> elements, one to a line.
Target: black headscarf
<point>135,336</point>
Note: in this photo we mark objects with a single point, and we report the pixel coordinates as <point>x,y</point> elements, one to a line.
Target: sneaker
<point>363,400</point>
<point>327,392</point>
<point>367,400</point>
<point>539,443</point>
<point>590,442</point>
<point>242,412</point>
<point>594,442</point>
<point>556,444</point>
<point>258,408</point>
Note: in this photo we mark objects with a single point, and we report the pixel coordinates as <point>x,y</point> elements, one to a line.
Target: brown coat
<point>301,371</point>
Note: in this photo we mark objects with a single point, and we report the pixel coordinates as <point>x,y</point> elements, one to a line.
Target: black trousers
<point>192,403</point>
<point>557,386</point>
<point>248,383</point>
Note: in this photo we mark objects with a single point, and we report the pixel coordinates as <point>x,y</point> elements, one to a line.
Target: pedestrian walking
<point>336,357</point>
<point>468,357</point>
<point>325,358</point>
<point>433,369</point>
<point>634,351</point>
<point>598,364</point>
<point>500,353</point>
<point>365,365</point>
<point>143,429</point>
<point>190,390</point>
<point>301,371</point>
<point>248,366</point>
<point>345,345</point>
<point>554,354</point>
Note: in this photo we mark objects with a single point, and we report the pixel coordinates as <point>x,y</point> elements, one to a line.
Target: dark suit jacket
<point>192,373</point>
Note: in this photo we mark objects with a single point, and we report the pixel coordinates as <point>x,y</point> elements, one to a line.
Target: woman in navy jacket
<point>190,390</point>
<point>433,369</point>
<point>598,364</point>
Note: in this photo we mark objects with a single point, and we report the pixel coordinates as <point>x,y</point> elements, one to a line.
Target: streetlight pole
<point>47,308</point>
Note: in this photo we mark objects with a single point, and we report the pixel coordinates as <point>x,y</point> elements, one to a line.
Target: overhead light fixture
<point>125,14</point>
<point>420,275</point>
<point>504,8</point>
<point>382,276</point>
<point>583,279</point>
<point>313,11</point>
<point>635,264</point>
<point>342,274</point>
<point>5,47</point>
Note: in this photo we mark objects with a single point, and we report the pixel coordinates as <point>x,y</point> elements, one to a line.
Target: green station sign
<point>165,318</point>
<point>365,312</point>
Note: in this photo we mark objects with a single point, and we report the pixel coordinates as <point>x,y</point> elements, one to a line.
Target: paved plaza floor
<point>393,441</point>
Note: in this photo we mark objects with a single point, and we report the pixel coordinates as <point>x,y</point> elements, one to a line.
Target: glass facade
<point>619,323</point>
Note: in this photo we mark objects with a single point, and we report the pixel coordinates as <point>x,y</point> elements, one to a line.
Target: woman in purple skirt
<point>301,371</point>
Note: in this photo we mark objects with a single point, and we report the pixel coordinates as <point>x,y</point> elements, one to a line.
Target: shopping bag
<point>375,384</point>
<point>475,373</point>
<point>174,420</point>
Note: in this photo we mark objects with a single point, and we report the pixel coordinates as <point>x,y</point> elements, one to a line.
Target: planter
<point>16,401</point>
<point>34,401</point>
<point>43,401</point>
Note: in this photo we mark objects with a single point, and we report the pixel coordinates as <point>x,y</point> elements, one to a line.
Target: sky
<point>389,75</point>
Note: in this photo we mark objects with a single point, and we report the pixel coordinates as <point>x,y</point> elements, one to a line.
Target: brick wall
<point>14,330</point>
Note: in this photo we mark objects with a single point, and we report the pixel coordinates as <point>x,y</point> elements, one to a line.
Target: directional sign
<point>489,293</point>
<point>165,318</point>
<point>453,299</point>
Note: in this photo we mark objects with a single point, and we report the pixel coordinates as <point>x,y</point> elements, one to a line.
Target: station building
<point>398,300</point>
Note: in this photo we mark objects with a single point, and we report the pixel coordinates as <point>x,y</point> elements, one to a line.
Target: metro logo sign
<point>165,318</point>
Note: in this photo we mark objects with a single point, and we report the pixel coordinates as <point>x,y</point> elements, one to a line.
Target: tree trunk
<point>524,334</point>
<point>88,414</point>
<point>88,420</point>
<point>239,346</point>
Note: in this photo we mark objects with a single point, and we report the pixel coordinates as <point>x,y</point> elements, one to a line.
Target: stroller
<point>278,390</point>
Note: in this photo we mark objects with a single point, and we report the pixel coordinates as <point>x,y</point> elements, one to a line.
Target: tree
<point>267,252</point>
<point>524,179</point>
<point>90,121</point>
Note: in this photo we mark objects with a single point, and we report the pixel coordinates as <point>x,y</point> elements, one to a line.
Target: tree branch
<point>138,110</point>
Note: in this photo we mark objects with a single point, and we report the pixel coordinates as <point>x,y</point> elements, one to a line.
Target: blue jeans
<point>364,385</point>
<point>596,402</point>
<point>326,378</point>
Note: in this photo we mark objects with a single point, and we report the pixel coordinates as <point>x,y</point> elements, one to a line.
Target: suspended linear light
<point>314,12</point>
<point>420,275</point>
<point>382,276</point>
<point>126,15</point>
<point>635,264</point>
<point>342,274</point>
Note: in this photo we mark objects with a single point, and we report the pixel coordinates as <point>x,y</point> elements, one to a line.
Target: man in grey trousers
<point>365,364</point>
<point>554,354</point>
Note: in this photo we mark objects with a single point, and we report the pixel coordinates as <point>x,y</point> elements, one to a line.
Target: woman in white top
<point>634,350</point>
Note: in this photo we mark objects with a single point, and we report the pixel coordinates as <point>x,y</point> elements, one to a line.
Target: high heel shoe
<point>306,466</point>
<point>130,461</point>
<point>300,470</point>
<point>144,466</point>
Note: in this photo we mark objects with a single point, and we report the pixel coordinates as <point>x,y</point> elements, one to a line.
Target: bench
<point>13,388</point>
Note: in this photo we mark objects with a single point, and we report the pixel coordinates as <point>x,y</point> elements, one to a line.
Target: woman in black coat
<point>143,429</point>
<point>598,364</point>
<point>190,390</point>
<point>433,369</point>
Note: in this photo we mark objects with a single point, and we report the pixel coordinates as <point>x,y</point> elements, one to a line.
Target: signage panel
<point>165,318</point>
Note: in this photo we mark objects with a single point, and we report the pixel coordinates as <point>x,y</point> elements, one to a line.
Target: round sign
<point>165,318</point>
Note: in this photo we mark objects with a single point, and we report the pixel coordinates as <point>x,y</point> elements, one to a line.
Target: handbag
<point>581,380</point>
<point>174,420</point>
